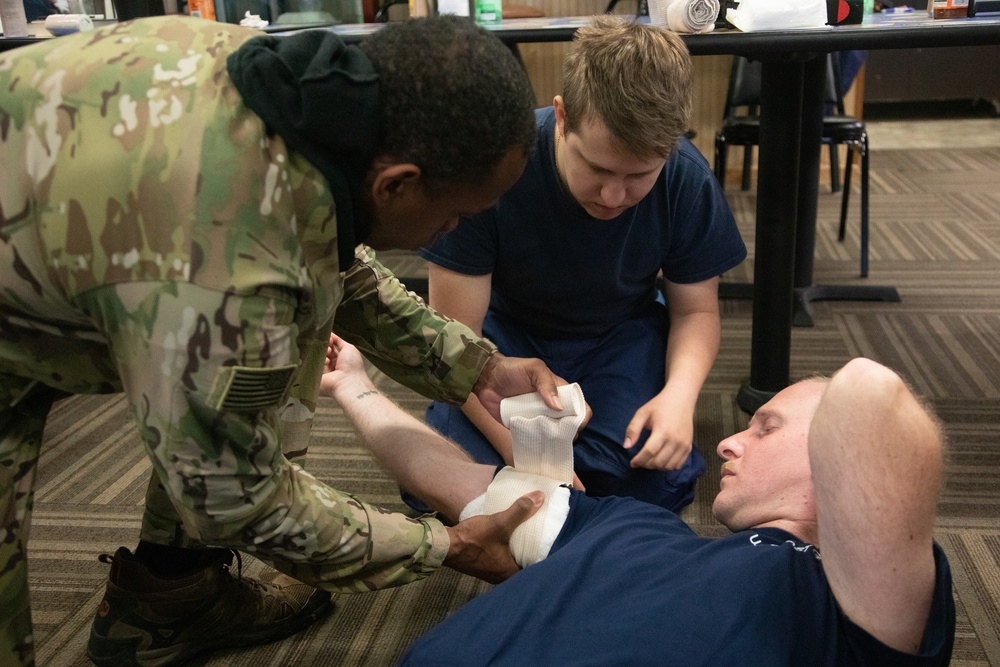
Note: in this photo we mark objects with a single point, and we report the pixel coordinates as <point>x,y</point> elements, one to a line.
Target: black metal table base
<point>802,313</point>
<point>749,399</point>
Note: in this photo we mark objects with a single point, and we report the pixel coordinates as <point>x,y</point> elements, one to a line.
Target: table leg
<point>813,92</point>
<point>774,257</point>
<point>813,84</point>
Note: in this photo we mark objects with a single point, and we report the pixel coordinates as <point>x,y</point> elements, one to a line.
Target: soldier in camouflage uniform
<point>158,237</point>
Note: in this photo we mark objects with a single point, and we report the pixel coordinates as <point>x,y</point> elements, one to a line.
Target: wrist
<point>353,388</point>
<point>679,396</point>
<point>485,378</point>
<point>454,545</point>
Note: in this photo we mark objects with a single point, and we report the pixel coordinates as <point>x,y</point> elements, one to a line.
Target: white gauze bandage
<point>543,460</point>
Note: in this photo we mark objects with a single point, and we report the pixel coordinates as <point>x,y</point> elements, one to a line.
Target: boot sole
<point>123,653</point>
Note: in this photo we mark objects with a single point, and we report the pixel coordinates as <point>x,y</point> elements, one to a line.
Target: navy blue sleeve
<point>939,634</point>
<point>705,241</point>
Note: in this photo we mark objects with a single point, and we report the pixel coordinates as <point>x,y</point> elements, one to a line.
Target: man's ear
<point>560,110</point>
<point>394,181</point>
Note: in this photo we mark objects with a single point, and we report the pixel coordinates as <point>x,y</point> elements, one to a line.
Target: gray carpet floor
<point>935,236</point>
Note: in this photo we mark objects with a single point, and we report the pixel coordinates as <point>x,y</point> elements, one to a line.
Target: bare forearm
<point>872,438</point>
<point>495,432</point>
<point>876,460</point>
<point>430,466</point>
<point>691,350</point>
<point>419,458</point>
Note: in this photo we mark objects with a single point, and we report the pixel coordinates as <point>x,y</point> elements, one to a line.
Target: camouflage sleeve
<point>405,338</point>
<point>206,374</point>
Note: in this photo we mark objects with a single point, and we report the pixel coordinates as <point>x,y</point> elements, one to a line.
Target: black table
<point>792,87</point>
<point>792,77</point>
<point>792,90</point>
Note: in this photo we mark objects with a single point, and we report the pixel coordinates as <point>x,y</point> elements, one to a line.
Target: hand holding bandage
<point>543,460</point>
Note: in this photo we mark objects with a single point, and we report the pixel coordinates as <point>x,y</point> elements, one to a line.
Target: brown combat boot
<point>148,620</point>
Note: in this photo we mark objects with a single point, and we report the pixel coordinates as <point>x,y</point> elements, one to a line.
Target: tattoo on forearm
<point>370,392</point>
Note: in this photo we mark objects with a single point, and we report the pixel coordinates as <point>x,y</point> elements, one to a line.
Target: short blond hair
<point>634,78</point>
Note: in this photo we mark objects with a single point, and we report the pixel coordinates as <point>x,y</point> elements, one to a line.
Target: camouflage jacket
<point>154,238</point>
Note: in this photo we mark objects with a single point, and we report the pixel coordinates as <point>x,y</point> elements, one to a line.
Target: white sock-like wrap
<point>543,461</point>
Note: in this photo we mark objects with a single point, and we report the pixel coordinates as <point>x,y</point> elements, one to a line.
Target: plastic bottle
<point>489,12</point>
<point>949,9</point>
<point>204,9</point>
<point>869,11</point>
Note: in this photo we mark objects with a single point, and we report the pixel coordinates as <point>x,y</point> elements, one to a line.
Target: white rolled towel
<point>64,24</point>
<point>688,16</point>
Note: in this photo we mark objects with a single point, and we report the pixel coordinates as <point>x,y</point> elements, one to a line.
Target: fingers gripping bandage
<point>543,461</point>
<point>532,540</point>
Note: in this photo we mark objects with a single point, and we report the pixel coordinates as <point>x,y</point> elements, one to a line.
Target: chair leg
<point>747,167</point>
<point>721,152</point>
<point>834,167</point>
<point>847,194</point>
<point>864,205</point>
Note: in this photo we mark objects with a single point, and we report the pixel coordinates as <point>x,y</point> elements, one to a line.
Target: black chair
<point>382,10</point>
<point>838,129</point>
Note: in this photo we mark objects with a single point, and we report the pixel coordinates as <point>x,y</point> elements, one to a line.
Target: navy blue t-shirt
<point>560,273</point>
<point>628,583</point>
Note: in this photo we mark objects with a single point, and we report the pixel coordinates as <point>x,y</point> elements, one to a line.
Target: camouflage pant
<point>220,473</point>
<point>25,401</point>
<point>23,408</point>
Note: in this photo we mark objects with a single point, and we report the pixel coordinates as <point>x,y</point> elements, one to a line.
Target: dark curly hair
<point>453,98</point>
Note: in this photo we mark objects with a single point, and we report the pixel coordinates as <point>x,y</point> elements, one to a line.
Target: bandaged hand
<point>671,432</point>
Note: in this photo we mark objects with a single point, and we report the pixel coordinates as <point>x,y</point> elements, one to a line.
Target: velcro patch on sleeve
<point>244,389</point>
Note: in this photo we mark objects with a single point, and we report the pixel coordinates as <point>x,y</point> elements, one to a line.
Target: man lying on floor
<point>830,494</point>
